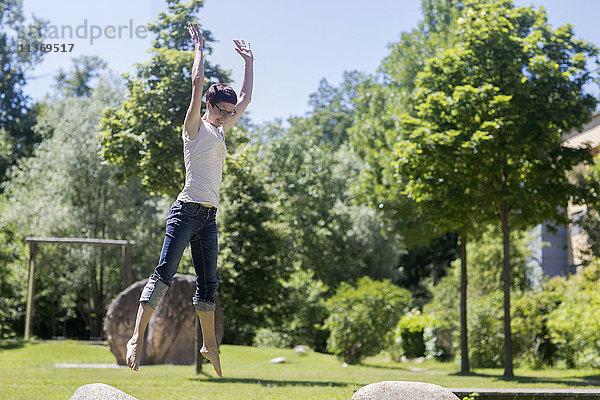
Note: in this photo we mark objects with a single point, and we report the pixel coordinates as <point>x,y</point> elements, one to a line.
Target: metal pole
<point>30,289</point>
<point>124,270</point>
<point>127,275</point>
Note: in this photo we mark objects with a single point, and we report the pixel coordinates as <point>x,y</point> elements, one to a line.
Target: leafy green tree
<point>329,238</point>
<point>78,196</point>
<point>13,278</point>
<point>311,172</point>
<point>483,139</point>
<point>17,115</point>
<point>493,108</point>
<point>143,134</point>
<point>361,318</point>
<point>77,81</point>
<point>252,261</point>
<point>380,103</point>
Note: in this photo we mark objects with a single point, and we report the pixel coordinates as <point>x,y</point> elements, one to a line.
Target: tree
<point>253,263</point>
<point>65,190</point>
<point>77,82</point>
<point>487,121</point>
<point>143,134</point>
<point>311,172</point>
<point>12,288</point>
<point>17,115</point>
<point>379,104</point>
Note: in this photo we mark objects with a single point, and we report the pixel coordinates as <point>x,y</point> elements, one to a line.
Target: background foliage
<point>334,224</point>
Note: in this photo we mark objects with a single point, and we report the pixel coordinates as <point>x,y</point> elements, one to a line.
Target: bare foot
<point>212,355</point>
<point>134,352</point>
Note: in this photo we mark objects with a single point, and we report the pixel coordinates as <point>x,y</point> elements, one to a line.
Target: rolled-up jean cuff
<point>154,290</point>
<point>204,305</point>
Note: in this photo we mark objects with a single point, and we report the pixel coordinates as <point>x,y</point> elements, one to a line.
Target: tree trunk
<point>94,327</point>
<point>506,274</point>
<point>464,347</point>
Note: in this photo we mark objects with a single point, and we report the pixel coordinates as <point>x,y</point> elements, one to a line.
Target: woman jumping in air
<point>192,218</point>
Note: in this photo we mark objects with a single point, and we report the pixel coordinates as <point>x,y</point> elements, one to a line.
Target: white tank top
<point>204,158</point>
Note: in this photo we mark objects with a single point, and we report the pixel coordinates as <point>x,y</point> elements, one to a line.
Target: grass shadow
<point>593,379</point>
<point>397,367</point>
<point>11,344</point>
<point>270,382</point>
<point>575,382</point>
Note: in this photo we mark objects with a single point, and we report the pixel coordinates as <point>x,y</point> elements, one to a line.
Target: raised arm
<point>193,116</point>
<point>245,95</point>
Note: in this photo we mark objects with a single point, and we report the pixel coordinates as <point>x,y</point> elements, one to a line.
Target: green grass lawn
<point>27,371</point>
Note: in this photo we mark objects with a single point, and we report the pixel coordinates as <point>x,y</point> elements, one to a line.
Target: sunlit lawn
<point>27,371</point>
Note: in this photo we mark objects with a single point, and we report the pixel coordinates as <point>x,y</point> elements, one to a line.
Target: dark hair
<point>221,92</point>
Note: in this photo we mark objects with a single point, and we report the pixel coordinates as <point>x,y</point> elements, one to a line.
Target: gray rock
<point>301,350</point>
<point>401,390</point>
<point>171,333</point>
<point>100,391</point>
<point>278,360</point>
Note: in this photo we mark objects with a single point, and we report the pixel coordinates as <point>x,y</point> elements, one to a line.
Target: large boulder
<point>100,391</point>
<point>401,390</point>
<point>171,333</point>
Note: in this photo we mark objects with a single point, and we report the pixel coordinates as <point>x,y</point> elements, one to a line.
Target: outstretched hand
<point>243,49</point>
<point>195,33</point>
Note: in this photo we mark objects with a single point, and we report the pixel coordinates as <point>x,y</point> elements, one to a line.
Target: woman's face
<point>220,112</point>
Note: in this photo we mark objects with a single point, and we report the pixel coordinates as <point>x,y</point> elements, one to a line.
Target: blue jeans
<point>195,224</point>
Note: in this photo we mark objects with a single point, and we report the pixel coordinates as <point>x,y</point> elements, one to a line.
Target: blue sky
<point>296,43</point>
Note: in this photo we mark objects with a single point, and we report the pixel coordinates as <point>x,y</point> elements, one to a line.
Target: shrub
<point>408,336</point>
<point>486,332</point>
<point>441,338</point>
<point>361,318</point>
<point>573,325</point>
<point>439,342</point>
<point>558,325</point>
<point>484,299</point>
<point>303,311</point>
<point>267,337</point>
<point>530,311</point>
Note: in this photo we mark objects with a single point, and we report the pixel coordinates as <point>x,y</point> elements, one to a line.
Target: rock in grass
<point>171,333</point>
<point>278,360</point>
<point>300,350</point>
<point>100,391</point>
<point>401,390</point>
